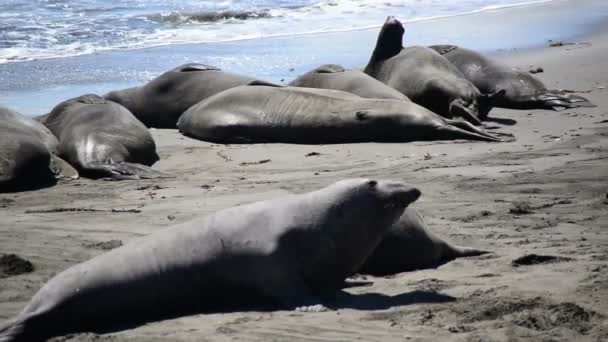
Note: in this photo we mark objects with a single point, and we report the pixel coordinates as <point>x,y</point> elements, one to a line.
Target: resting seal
<point>161,101</point>
<point>426,77</point>
<point>255,114</point>
<point>523,91</point>
<point>287,249</point>
<point>27,156</point>
<point>410,246</point>
<point>331,76</point>
<point>101,138</point>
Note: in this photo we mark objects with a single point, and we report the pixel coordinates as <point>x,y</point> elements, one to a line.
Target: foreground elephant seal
<point>523,91</point>
<point>331,76</point>
<point>286,249</point>
<point>256,114</point>
<point>101,138</point>
<point>161,101</point>
<point>27,159</point>
<point>426,77</point>
<point>411,246</point>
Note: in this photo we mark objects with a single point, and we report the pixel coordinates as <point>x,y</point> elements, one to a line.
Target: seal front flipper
<point>458,109</point>
<point>291,292</point>
<point>122,171</point>
<point>62,169</point>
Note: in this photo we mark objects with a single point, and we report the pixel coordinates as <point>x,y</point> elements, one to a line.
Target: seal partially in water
<point>331,76</point>
<point>27,154</point>
<point>426,77</point>
<point>161,101</point>
<point>410,245</point>
<point>287,249</point>
<point>522,89</point>
<point>257,114</point>
<point>101,138</point>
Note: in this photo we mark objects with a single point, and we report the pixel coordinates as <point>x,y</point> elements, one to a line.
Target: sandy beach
<point>544,194</point>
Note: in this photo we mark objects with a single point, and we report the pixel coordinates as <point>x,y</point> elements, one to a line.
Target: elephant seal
<point>331,76</point>
<point>426,77</point>
<point>27,156</point>
<point>256,114</point>
<point>522,89</point>
<point>288,249</point>
<point>101,138</point>
<point>409,246</point>
<point>161,101</point>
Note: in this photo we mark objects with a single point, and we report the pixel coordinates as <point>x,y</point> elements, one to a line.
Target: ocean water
<point>53,50</point>
<point>38,29</point>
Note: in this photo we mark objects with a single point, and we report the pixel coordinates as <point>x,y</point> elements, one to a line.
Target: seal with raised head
<point>410,245</point>
<point>522,89</point>
<point>27,154</point>
<point>160,102</point>
<point>426,77</point>
<point>288,249</point>
<point>331,76</point>
<point>257,114</point>
<point>101,138</point>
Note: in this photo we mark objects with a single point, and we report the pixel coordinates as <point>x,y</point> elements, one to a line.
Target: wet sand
<point>544,194</point>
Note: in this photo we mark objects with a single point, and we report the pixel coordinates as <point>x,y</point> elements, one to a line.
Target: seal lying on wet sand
<point>27,154</point>
<point>287,249</point>
<point>331,76</point>
<point>256,114</point>
<point>523,91</point>
<point>101,138</point>
<point>161,101</point>
<point>409,246</point>
<point>426,77</point>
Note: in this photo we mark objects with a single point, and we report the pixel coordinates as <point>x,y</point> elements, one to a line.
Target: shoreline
<point>51,81</point>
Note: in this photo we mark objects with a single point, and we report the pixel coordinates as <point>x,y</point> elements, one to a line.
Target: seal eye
<point>372,183</point>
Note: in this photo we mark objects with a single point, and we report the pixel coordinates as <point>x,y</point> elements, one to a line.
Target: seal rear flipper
<point>464,125</point>
<point>62,169</point>
<point>458,109</point>
<point>122,171</point>
<point>549,99</point>
<point>449,132</point>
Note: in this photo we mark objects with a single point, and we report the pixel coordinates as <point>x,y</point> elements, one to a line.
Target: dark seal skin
<point>161,101</point>
<point>332,76</point>
<point>27,154</point>
<point>410,245</point>
<point>426,77</point>
<point>289,249</point>
<point>258,114</point>
<point>522,89</point>
<point>101,138</point>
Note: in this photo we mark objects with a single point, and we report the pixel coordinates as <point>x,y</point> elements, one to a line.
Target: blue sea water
<point>35,29</point>
<point>52,50</point>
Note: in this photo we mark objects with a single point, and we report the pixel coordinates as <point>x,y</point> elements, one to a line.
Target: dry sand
<point>545,194</point>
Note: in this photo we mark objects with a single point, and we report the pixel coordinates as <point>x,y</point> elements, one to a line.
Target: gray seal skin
<point>289,249</point>
<point>410,245</point>
<point>101,138</point>
<point>161,101</point>
<point>331,76</point>
<point>426,77</point>
<point>523,90</point>
<point>258,114</point>
<point>27,156</point>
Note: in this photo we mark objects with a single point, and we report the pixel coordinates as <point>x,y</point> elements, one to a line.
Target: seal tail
<point>550,99</point>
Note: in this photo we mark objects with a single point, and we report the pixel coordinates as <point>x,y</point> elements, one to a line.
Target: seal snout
<point>401,194</point>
